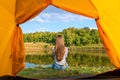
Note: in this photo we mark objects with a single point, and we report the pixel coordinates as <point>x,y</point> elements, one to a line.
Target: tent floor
<point>111,75</point>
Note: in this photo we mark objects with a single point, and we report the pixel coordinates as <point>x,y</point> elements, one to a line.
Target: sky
<point>53,19</point>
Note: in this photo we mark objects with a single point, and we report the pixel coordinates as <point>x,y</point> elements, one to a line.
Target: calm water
<point>74,59</point>
<point>30,65</point>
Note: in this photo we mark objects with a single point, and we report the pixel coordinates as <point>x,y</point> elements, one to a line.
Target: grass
<point>81,60</point>
<point>39,72</point>
<point>37,48</point>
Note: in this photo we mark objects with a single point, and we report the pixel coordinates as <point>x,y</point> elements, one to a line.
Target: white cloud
<point>58,17</point>
<point>42,29</point>
<point>93,28</point>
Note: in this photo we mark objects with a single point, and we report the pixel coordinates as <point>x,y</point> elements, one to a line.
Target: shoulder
<point>66,49</point>
<point>53,49</point>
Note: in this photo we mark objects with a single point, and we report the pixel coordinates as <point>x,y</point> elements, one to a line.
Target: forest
<point>73,36</point>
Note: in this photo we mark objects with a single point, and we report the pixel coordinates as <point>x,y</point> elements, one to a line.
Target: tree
<point>72,36</point>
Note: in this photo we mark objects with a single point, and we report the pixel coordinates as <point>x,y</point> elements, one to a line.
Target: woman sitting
<point>60,53</point>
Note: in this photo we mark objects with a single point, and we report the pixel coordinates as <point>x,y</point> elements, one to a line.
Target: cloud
<point>59,17</point>
<point>93,28</point>
<point>42,29</point>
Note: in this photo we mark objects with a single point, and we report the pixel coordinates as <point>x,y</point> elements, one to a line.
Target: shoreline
<point>40,48</point>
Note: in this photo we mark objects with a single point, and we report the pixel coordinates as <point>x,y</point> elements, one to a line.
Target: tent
<point>15,12</point>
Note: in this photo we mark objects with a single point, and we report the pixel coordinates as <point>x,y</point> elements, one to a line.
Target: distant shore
<point>39,48</point>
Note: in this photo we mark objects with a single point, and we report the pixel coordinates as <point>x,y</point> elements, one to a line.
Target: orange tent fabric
<point>15,12</point>
<point>23,12</point>
<point>108,25</point>
<point>83,7</point>
<point>7,24</point>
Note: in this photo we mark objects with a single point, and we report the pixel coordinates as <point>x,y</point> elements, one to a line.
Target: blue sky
<point>54,20</point>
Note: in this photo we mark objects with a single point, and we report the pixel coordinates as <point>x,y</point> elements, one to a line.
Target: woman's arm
<point>66,53</point>
<point>53,51</point>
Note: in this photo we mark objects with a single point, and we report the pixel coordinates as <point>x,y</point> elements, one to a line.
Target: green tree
<point>73,36</point>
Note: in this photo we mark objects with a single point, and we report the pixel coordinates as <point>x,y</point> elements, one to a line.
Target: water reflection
<point>29,65</point>
<point>74,59</point>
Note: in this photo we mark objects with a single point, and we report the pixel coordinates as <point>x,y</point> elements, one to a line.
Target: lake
<point>30,65</point>
<point>74,59</point>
